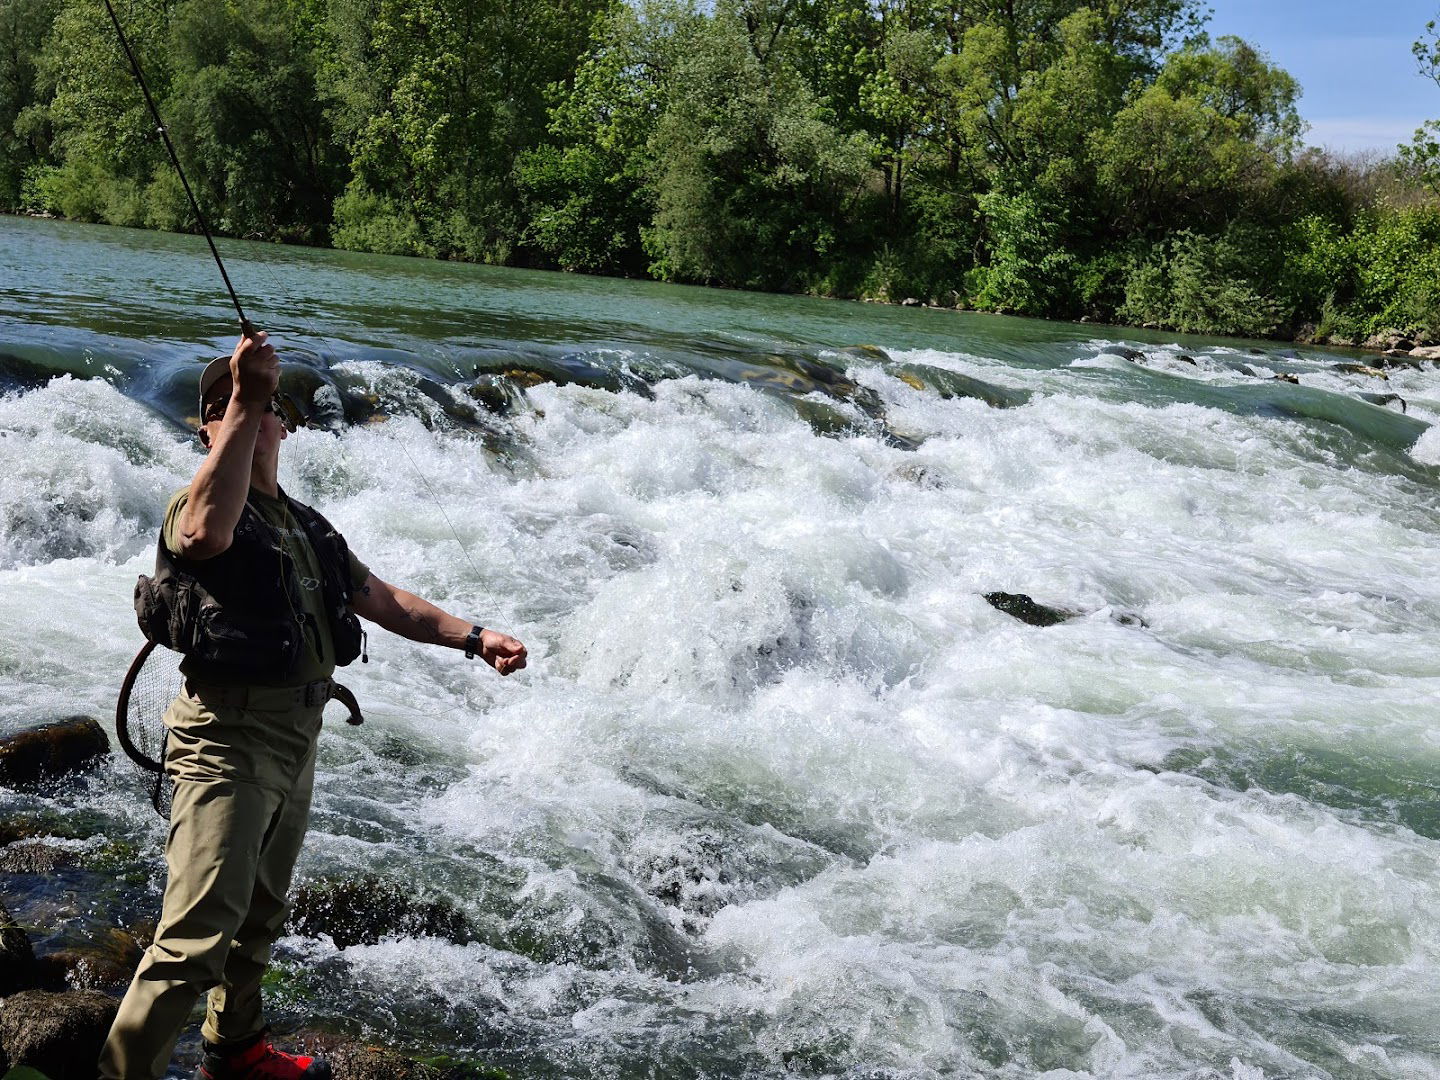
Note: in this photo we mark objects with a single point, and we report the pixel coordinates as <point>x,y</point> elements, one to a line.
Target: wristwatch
<point>472,641</point>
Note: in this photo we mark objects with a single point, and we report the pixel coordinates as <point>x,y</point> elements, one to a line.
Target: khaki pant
<point>243,780</point>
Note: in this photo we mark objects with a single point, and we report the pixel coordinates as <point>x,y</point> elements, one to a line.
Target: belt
<point>264,697</point>
<point>311,695</point>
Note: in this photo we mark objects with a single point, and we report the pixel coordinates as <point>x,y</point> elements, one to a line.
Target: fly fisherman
<point>261,593</point>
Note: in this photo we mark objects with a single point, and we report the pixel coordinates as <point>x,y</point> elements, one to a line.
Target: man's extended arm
<point>409,616</point>
<point>222,483</point>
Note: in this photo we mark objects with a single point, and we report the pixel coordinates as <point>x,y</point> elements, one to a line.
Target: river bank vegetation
<point>1041,157</point>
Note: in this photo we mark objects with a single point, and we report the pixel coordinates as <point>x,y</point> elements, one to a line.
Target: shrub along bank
<point>1049,157</point>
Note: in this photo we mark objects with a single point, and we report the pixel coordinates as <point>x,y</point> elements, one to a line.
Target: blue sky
<point>1352,57</point>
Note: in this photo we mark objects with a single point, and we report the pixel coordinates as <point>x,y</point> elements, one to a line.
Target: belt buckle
<point>317,693</point>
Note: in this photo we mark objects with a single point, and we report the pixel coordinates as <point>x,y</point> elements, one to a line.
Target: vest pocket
<point>263,647</point>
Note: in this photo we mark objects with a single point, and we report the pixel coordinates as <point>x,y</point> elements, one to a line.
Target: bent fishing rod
<point>246,328</point>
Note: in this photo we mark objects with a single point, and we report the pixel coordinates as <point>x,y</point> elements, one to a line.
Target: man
<point>260,593</point>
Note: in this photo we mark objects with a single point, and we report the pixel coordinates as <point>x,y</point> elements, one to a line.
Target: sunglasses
<point>215,410</point>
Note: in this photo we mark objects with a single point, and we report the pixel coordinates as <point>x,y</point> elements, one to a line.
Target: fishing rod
<point>246,328</point>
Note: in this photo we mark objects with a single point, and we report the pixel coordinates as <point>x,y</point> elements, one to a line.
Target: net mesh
<point>153,686</point>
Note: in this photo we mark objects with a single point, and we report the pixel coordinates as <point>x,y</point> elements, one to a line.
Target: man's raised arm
<point>222,483</point>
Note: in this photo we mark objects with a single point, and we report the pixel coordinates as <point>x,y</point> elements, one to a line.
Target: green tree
<point>24,25</point>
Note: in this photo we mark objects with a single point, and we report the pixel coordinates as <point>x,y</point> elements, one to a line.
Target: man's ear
<point>204,437</point>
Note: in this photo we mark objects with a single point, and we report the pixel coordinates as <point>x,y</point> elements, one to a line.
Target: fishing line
<point>246,327</point>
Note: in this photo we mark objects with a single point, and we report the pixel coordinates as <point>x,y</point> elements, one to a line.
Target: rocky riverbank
<point>72,929</point>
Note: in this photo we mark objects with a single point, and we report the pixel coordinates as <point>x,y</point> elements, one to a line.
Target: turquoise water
<point>781,793</point>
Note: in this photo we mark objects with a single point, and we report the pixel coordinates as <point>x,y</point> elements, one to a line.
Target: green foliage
<point>1028,269</point>
<point>1196,283</point>
<point>365,221</point>
<point>1052,157</point>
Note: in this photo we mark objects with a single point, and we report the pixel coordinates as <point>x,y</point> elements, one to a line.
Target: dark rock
<point>1389,339</point>
<point>1397,353</point>
<point>866,352</point>
<point>1399,360</point>
<point>1188,360</point>
<point>362,911</point>
<point>34,857</point>
<point>106,963</point>
<point>352,1059</point>
<point>1124,351</point>
<point>59,1034</point>
<point>1288,354</point>
<point>1294,380</point>
<point>1129,618</point>
<point>1361,369</point>
<point>1027,610</point>
<point>1385,399</point>
<point>51,750</point>
<point>17,958</point>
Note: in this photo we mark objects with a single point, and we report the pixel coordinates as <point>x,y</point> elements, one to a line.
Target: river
<point>780,792</point>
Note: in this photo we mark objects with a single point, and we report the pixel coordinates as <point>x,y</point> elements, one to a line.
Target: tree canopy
<point>1047,157</point>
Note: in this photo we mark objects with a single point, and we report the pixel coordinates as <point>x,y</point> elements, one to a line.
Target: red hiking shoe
<point>260,1061</point>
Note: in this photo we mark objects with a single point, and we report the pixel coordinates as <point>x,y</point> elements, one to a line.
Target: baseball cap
<point>215,370</point>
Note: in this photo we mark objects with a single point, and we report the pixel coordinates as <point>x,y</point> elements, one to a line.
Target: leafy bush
<point>365,221</point>
<point>1199,284</point>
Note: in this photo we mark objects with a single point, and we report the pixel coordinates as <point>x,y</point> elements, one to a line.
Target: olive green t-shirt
<point>276,514</point>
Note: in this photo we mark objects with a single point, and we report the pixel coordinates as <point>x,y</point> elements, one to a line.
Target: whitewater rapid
<point>780,793</point>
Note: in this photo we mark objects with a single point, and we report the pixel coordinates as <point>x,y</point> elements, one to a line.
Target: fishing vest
<point>238,616</point>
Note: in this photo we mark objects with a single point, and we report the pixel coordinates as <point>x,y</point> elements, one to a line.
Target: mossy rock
<point>17,958</point>
<point>362,911</point>
<point>60,1034</point>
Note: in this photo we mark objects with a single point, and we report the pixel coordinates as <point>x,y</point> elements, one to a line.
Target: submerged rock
<point>353,1059</point>
<point>59,1034</point>
<point>1124,352</point>
<point>34,857</point>
<point>1384,400</point>
<point>17,958</point>
<point>1027,610</point>
<point>1362,369</point>
<point>106,963</point>
<point>952,384</point>
<point>363,911</point>
<point>50,750</point>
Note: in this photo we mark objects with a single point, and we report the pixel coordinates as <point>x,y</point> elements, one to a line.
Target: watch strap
<point>472,642</point>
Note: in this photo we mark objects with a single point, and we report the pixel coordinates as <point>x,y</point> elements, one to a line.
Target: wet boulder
<point>59,1034</point>
<point>105,963</point>
<point>352,1059</point>
<point>362,911</point>
<point>42,753</point>
<point>17,958</point>
<point>1124,352</point>
<point>1027,610</point>
<point>34,857</point>
<point>1362,369</point>
<point>1385,400</point>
